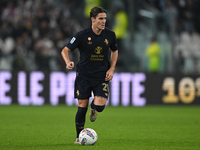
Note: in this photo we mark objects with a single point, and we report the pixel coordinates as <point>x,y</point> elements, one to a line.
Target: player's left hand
<point>109,75</point>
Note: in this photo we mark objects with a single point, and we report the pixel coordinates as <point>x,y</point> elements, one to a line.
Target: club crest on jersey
<point>72,40</point>
<point>106,41</point>
<point>89,40</point>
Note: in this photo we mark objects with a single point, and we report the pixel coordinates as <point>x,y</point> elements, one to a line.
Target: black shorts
<point>84,87</point>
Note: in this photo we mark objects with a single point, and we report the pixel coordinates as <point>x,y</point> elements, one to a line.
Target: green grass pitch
<point>118,128</point>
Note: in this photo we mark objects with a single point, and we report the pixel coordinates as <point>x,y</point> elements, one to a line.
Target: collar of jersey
<point>101,34</point>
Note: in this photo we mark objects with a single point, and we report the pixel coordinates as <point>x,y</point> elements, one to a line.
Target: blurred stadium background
<point>33,33</point>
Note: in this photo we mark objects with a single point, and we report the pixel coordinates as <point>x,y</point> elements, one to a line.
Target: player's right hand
<point>70,65</point>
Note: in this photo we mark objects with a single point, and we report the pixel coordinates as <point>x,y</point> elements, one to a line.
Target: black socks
<point>80,116</point>
<point>80,119</point>
<point>96,107</point>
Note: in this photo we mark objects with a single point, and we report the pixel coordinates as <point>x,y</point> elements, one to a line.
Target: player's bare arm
<point>110,72</point>
<point>65,55</point>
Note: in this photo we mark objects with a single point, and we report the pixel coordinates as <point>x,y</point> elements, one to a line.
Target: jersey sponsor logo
<point>72,40</point>
<point>97,57</point>
<point>89,40</point>
<point>98,50</point>
<point>106,41</point>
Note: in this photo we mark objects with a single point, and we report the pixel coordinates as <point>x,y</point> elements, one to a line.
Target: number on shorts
<point>106,87</point>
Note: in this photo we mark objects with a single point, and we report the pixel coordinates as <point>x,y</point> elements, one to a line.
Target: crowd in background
<point>187,13</point>
<point>33,32</point>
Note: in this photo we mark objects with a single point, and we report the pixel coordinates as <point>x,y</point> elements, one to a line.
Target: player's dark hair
<point>96,10</point>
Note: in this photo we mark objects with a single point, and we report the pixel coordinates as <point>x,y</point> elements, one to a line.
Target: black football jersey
<point>94,52</point>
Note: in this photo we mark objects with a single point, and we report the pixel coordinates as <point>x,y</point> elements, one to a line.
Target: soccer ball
<point>88,137</point>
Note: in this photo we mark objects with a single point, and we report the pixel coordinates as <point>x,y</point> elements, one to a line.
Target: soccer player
<point>95,69</point>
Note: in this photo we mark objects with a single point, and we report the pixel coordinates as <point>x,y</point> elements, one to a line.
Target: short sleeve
<point>113,45</point>
<point>74,42</point>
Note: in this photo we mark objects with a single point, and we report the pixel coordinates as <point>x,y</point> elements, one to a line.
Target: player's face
<point>100,21</point>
